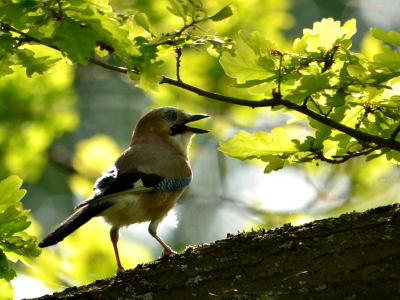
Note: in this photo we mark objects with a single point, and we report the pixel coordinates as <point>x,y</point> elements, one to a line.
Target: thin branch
<point>316,105</point>
<point>344,158</point>
<point>178,52</point>
<point>329,111</point>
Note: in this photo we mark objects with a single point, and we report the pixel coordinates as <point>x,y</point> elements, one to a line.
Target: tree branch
<point>348,257</point>
<point>390,143</point>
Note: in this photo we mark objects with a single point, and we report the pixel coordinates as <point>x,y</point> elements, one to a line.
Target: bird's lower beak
<point>194,118</point>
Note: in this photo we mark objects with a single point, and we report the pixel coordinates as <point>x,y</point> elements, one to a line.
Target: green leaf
<point>75,42</point>
<point>349,28</point>
<point>338,99</point>
<point>309,85</point>
<point>323,132</point>
<point>389,59</point>
<point>7,43</point>
<point>247,146</point>
<point>6,289</point>
<point>109,29</point>
<point>259,45</point>
<point>391,37</point>
<point>5,64</point>
<point>32,64</point>
<point>243,68</point>
<point>6,275</point>
<point>194,9</point>
<point>5,272</point>
<point>177,9</point>
<point>223,14</point>
<point>133,76</point>
<point>18,13</point>
<point>275,163</point>
<point>150,77</point>
<point>10,194</point>
<point>10,214</point>
<point>16,255</point>
<point>325,35</point>
<point>142,20</point>
<point>14,242</point>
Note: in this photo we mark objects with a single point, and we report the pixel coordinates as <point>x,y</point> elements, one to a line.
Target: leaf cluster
<point>350,102</point>
<point>15,243</point>
<point>77,28</point>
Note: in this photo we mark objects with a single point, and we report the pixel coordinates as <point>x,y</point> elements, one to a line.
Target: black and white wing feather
<point>113,183</point>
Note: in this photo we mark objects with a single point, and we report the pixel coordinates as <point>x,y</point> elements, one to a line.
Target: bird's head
<point>168,123</point>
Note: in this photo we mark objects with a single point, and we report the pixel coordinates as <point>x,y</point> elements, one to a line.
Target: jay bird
<point>144,182</point>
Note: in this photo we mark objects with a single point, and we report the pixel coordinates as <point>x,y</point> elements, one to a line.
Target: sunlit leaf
<point>275,163</point>
<point>110,30</point>
<point>33,65</point>
<point>6,289</point>
<point>247,146</point>
<point>391,37</point>
<point>176,8</point>
<point>243,68</point>
<point>389,59</point>
<point>223,14</point>
<point>258,43</point>
<point>142,20</point>
<point>14,242</point>
<point>309,84</point>
<point>326,33</point>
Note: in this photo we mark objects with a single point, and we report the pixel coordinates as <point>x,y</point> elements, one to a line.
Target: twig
<point>344,158</point>
<point>178,52</point>
<point>316,105</point>
<point>305,101</point>
<point>329,111</point>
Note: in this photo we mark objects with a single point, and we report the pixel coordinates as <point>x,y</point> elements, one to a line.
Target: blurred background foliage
<point>59,131</point>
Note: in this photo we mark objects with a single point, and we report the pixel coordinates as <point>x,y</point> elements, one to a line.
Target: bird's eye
<point>170,115</point>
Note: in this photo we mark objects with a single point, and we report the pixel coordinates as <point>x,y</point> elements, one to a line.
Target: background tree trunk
<point>355,256</point>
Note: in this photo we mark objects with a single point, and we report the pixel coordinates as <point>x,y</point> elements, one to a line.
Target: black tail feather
<point>73,222</point>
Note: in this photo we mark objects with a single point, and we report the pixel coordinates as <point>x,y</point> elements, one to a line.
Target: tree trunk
<point>355,256</point>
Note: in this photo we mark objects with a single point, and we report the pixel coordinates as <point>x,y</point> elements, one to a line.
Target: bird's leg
<point>114,235</point>
<point>153,232</point>
<point>167,249</point>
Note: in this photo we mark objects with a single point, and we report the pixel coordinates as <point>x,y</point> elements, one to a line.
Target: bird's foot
<point>168,252</point>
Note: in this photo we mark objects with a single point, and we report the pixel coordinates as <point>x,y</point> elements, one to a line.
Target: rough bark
<point>355,256</point>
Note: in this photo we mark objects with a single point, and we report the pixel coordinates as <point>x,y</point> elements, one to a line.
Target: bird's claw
<point>168,252</point>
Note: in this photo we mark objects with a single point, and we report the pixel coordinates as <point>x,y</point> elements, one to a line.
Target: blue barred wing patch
<point>169,185</point>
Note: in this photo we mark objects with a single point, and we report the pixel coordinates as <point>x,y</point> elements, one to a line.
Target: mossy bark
<point>355,256</point>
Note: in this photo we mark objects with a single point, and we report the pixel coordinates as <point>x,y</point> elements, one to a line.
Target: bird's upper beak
<point>193,118</point>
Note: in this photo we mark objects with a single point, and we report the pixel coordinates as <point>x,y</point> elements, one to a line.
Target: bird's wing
<point>112,183</point>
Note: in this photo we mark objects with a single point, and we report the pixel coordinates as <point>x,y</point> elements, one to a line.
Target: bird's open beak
<point>194,118</point>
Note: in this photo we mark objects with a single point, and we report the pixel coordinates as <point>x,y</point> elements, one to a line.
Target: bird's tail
<point>73,222</point>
